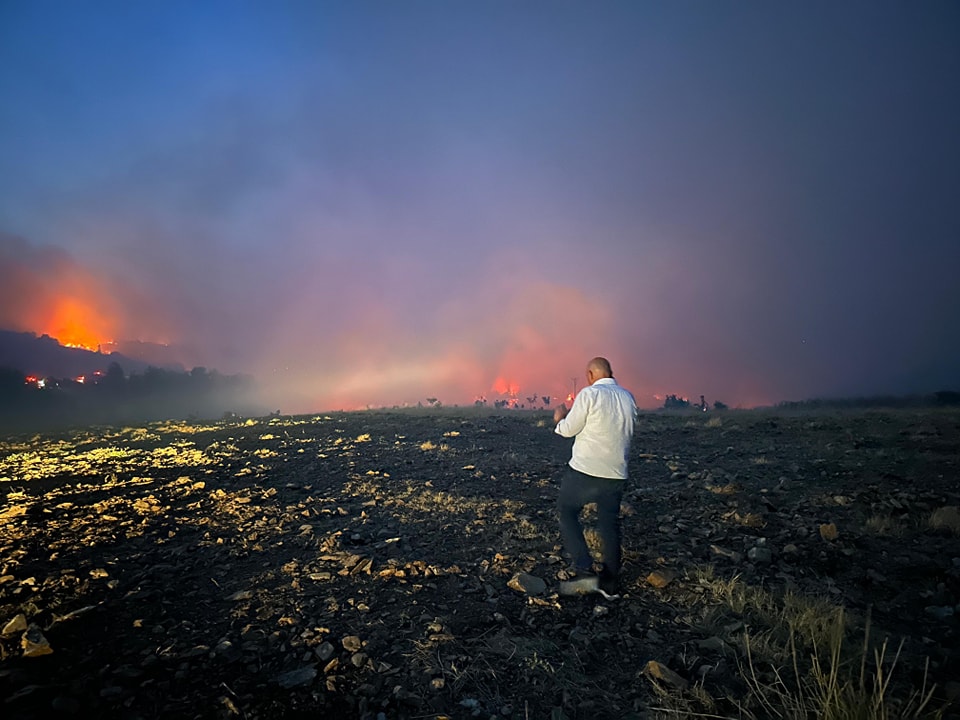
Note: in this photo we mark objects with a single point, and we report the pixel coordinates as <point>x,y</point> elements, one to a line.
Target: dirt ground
<point>387,564</point>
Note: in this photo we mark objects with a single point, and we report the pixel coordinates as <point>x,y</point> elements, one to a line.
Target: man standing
<point>601,420</point>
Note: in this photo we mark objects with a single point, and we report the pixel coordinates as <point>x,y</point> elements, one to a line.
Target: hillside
<point>45,357</point>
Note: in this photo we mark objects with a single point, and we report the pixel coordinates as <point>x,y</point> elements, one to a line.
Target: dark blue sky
<point>375,202</point>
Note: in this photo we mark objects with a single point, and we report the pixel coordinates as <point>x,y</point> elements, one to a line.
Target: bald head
<point>599,368</point>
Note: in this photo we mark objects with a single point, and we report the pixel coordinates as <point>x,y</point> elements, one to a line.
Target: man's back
<point>602,421</point>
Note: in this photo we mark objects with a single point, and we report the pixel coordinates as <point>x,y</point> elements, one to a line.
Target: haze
<point>372,203</point>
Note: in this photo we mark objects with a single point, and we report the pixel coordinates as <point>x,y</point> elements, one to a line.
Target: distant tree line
<point>941,398</point>
<point>115,397</point>
<point>675,402</point>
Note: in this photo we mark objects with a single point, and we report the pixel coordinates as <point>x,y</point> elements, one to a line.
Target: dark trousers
<point>576,490</point>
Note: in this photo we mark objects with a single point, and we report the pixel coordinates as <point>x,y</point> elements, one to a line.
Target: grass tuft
<point>801,665</point>
<point>946,518</point>
<point>885,526</point>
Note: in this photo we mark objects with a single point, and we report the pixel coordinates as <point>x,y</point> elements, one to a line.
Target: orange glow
<point>77,324</point>
<point>43,290</point>
<point>505,387</point>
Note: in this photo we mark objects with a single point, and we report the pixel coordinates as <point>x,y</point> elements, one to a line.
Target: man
<point>601,421</point>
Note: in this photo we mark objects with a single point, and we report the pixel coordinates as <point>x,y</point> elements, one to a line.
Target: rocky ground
<point>405,564</point>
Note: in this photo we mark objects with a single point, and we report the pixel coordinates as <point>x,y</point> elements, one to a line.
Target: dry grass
<point>946,518</point>
<point>833,686</point>
<point>885,526</point>
<point>796,661</point>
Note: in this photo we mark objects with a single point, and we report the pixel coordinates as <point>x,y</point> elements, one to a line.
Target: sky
<point>370,203</point>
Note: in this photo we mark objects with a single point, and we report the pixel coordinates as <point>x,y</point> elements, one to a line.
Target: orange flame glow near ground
<point>76,323</point>
<point>45,291</point>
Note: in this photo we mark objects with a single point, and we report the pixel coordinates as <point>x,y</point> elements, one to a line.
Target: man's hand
<point>559,413</point>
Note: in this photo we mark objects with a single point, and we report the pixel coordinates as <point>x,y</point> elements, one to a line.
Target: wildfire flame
<point>76,324</point>
<point>45,291</point>
<point>506,387</point>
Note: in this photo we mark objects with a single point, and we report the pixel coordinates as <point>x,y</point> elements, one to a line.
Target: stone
<point>712,644</point>
<point>324,651</point>
<point>723,552</point>
<point>17,625</point>
<point>34,644</point>
<point>661,578</point>
<point>659,671</point>
<point>296,678</point>
<point>941,613</point>
<point>528,584</point>
<point>828,531</point>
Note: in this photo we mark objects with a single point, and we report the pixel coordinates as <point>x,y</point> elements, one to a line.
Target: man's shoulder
<point>610,384</point>
<point>621,390</point>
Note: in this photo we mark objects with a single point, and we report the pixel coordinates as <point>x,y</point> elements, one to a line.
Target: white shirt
<point>601,420</point>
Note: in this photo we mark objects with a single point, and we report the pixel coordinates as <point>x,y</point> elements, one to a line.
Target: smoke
<point>44,290</point>
<point>385,351</point>
<point>324,346</point>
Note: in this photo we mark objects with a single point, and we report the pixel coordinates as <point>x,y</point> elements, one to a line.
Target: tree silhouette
<point>674,402</point>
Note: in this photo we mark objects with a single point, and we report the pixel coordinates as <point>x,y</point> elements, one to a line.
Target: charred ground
<point>364,564</point>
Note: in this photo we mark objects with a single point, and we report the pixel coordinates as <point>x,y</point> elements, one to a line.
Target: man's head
<point>598,368</point>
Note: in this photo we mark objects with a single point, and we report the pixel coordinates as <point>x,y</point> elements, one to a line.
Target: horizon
<point>370,204</point>
<point>504,399</point>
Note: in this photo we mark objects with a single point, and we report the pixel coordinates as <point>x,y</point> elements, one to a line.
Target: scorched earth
<point>405,565</point>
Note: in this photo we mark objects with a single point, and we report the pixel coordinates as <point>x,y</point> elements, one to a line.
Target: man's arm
<point>560,413</point>
<point>571,422</point>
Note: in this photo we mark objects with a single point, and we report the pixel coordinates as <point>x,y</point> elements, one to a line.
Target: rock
<point>828,531</point>
<point>34,643</point>
<point>351,643</point>
<point>712,644</point>
<point>65,705</point>
<point>661,578</point>
<point>723,552</point>
<point>659,671</point>
<point>325,651</point>
<point>760,555</point>
<point>528,584</point>
<point>17,625</point>
<point>941,613</point>
<point>296,678</point>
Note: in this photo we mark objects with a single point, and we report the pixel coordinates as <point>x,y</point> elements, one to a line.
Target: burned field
<point>389,565</point>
